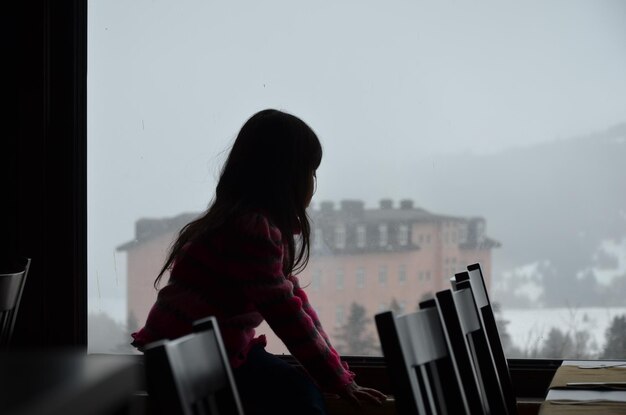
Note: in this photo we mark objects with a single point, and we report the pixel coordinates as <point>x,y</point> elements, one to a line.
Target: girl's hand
<point>359,394</point>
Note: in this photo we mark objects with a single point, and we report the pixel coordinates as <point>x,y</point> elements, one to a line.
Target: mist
<point>450,104</point>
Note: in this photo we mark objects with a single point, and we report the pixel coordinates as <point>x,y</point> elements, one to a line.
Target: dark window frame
<point>47,186</point>
<point>45,196</point>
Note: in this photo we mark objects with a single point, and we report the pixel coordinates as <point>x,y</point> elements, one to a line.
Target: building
<point>375,256</point>
<point>372,257</point>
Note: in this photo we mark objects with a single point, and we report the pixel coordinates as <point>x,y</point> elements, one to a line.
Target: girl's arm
<point>306,305</point>
<point>264,284</point>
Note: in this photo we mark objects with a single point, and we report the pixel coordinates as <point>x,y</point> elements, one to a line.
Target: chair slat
<point>191,375</point>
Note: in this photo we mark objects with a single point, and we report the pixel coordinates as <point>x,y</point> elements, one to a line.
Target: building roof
<point>349,213</point>
<point>147,229</point>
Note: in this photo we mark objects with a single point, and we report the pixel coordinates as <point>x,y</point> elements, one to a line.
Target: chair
<point>475,338</point>
<point>191,374</point>
<point>458,350</point>
<point>421,371</point>
<point>13,275</point>
<point>479,289</point>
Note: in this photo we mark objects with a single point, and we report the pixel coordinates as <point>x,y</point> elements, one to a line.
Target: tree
<point>509,348</point>
<point>395,307</point>
<point>557,345</point>
<point>105,335</point>
<point>354,337</point>
<point>615,347</point>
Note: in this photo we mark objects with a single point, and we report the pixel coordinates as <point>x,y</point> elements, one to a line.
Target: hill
<point>552,204</point>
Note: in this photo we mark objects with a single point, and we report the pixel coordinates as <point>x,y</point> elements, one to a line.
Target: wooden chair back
<point>13,273</point>
<point>458,349</point>
<point>477,283</point>
<point>478,348</point>
<point>421,372</point>
<point>191,375</point>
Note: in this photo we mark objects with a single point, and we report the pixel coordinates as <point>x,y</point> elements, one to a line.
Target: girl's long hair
<point>269,169</point>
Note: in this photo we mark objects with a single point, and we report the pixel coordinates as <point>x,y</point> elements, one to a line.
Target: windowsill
<point>531,378</point>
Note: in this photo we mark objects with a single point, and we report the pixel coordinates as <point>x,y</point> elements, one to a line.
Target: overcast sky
<point>385,84</point>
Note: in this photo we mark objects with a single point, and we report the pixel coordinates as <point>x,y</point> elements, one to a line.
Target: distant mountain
<point>555,201</point>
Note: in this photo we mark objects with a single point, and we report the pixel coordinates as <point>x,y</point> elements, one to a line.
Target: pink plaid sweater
<point>236,275</point>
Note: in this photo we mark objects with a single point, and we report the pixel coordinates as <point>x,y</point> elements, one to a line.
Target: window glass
<point>495,133</point>
<point>360,277</point>
<point>360,236</point>
<point>340,237</point>
<point>339,276</point>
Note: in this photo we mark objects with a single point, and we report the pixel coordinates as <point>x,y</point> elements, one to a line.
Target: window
<point>340,237</point>
<point>383,239</point>
<point>360,277</point>
<point>316,282</point>
<point>493,104</point>
<point>360,236</point>
<point>402,274</point>
<point>340,315</point>
<point>382,275</point>
<point>403,235</point>
<point>317,239</point>
<point>339,279</point>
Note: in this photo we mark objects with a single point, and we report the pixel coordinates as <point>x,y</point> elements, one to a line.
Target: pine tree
<point>395,307</point>
<point>354,337</point>
<point>557,345</point>
<point>510,349</point>
<point>615,347</point>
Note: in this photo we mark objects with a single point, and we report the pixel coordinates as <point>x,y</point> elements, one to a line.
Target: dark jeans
<point>269,385</point>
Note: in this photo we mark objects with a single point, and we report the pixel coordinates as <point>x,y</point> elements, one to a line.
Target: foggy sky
<point>385,85</point>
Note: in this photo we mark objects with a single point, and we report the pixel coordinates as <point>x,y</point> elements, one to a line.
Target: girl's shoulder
<point>256,224</point>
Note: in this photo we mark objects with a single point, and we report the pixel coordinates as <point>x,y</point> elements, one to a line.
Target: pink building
<point>367,256</point>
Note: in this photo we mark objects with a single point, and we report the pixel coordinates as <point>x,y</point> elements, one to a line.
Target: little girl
<point>237,263</point>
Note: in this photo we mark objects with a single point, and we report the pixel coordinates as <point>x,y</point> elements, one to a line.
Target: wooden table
<point>65,382</point>
<point>585,399</point>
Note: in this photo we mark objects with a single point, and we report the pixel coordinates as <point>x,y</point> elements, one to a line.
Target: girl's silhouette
<point>237,262</point>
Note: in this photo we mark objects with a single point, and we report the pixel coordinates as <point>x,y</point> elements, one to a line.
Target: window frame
<point>47,135</point>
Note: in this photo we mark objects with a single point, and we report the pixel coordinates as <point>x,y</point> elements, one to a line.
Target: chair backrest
<point>191,374</point>
<point>477,283</point>
<point>13,273</point>
<point>421,371</point>
<point>458,349</point>
<point>478,347</point>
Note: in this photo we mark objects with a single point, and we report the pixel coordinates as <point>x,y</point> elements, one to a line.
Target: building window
<point>403,235</point>
<point>383,235</point>
<point>382,275</point>
<point>316,282</point>
<point>340,237</point>
<point>401,307</point>
<point>402,274</point>
<point>340,315</point>
<point>360,236</point>
<point>420,275</point>
<point>339,278</point>
<point>427,275</point>
<point>463,233</point>
<point>360,277</point>
<point>317,239</point>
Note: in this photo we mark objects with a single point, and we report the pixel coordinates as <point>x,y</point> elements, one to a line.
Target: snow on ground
<point>529,327</point>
